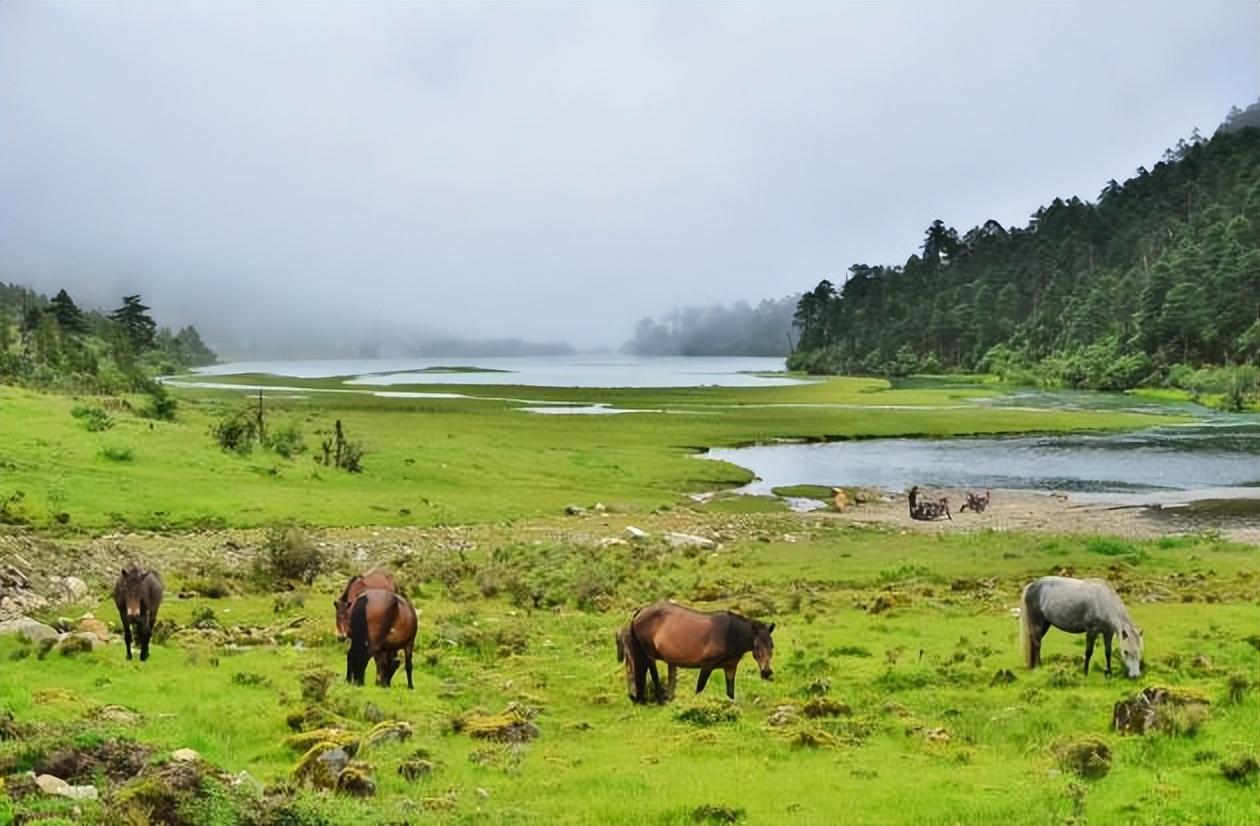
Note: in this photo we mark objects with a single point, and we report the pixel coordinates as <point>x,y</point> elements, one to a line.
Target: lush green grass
<point>925,664</point>
<point>446,461</point>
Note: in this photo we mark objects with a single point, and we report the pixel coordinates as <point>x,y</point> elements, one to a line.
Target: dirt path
<point>1058,513</point>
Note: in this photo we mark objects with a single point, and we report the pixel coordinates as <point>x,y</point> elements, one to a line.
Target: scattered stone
<point>416,766</point>
<point>50,785</point>
<point>1161,708</point>
<point>636,533</point>
<point>599,507</point>
<point>1087,757</point>
<point>91,625</point>
<point>80,793</point>
<point>686,540</point>
<point>185,756</point>
<point>574,510</point>
<point>247,781</point>
<point>612,541</point>
<point>936,735</point>
<point>77,643</point>
<point>116,714</point>
<point>70,588</point>
<point>330,736</point>
<point>28,629</point>
<point>783,715</point>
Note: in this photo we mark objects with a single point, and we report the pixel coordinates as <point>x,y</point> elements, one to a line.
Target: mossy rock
<point>356,780</point>
<point>513,725</point>
<point>1165,709</point>
<point>385,731</point>
<point>826,707</point>
<point>336,736</point>
<point>1088,756</point>
<point>321,765</point>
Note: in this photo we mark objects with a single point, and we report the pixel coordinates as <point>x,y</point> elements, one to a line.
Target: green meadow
<point>899,694</point>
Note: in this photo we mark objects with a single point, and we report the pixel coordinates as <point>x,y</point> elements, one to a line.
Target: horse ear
<point>770,628</point>
<point>1124,635</point>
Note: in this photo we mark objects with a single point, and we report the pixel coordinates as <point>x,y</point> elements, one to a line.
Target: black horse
<point>138,594</point>
<point>928,511</point>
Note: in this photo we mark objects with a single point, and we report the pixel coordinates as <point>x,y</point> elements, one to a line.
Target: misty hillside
<point>1159,271</point>
<point>736,330</point>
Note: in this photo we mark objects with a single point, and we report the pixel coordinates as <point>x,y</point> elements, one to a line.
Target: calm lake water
<point>1217,458</point>
<point>551,371</point>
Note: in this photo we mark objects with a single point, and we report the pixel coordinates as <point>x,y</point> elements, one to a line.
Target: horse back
<point>382,620</point>
<point>680,636</point>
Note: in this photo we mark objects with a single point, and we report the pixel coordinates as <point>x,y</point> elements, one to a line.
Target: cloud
<point>344,171</point>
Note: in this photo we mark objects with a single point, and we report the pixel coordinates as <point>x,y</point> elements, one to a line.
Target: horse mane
<point>345,592</point>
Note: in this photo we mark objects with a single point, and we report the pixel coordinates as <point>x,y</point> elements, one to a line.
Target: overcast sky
<point>557,170</point>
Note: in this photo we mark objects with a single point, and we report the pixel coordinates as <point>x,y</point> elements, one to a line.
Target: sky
<point>324,175</point>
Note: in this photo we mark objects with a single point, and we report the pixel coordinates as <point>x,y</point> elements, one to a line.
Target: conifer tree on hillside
<point>69,317</point>
<point>135,323</point>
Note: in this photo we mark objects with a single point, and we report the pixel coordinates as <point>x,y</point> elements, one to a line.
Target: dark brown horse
<point>356,586</point>
<point>138,594</point>
<point>625,655</point>
<point>382,623</point>
<point>685,638</point>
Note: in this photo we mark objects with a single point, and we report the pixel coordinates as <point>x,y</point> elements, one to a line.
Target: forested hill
<point>1158,275</point>
<point>52,343</point>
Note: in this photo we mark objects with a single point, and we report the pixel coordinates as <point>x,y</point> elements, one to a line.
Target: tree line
<point>52,343</point>
<point>1154,280</point>
<point>739,329</point>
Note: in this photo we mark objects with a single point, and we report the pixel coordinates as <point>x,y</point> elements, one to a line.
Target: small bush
<point>237,432</point>
<point>94,419</point>
<point>1242,769</point>
<point>204,618</point>
<point>1087,757</point>
<point>709,714</point>
<point>210,587</point>
<point>1113,547</point>
<point>247,679</point>
<point>286,440</point>
<point>826,707</point>
<point>1238,683</point>
<point>117,453</point>
<point>160,405</point>
<point>288,555</point>
<point>716,813</point>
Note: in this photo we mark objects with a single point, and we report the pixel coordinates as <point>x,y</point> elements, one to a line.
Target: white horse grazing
<point>1078,606</point>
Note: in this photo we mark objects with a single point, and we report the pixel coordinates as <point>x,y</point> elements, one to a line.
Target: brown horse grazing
<point>356,586</point>
<point>686,638</point>
<point>382,623</point>
<point>138,594</point>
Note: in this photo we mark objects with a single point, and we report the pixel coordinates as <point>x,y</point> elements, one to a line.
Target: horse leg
<point>704,679</point>
<point>146,631</point>
<point>1107,650</point>
<point>126,624</point>
<point>640,681</point>
<point>407,663</point>
<point>1090,638</point>
<point>730,680</point>
<point>656,682</point>
<point>1038,635</point>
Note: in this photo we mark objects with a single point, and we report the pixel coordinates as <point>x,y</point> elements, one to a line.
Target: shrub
<point>117,453</point>
<point>1242,769</point>
<point>288,555</point>
<point>1087,757</point>
<point>94,419</point>
<point>711,713</point>
<point>236,432</point>
<point>286,440</point>
<point>160,405</point>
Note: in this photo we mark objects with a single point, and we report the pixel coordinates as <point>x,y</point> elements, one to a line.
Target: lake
<point>1217,458</point>
<point>529,371</point>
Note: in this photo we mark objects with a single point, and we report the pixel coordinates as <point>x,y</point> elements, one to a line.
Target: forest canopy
<point>1155,278</point>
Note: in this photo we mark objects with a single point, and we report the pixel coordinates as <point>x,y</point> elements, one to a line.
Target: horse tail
<point>638,659</point>
<point>1025,626</point>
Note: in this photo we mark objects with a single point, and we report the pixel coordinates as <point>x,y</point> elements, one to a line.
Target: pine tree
<point>136,324</point>
<point>69,317</point>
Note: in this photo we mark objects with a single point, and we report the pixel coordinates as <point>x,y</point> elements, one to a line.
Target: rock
<point>29,629</point>
<point>599,507</point>
<point>1087,757</point>
<point>15,605</point>
<point>77,643</point>
<point>636,533</point>
<point>686,540</point>
<point>321,765</point>
<point>392,730</point>
<point>1160,708</point>
<point>51,785</point>
<point>355,780</point>
<point>612,542</point>
<point>93,626</point>
<point>185,756</point>
<point>116,714</point>
<point>247,781</point>
<point>70,589</point>
<point>79,792</point>
<point>416,766</point>
<point>574,510</point>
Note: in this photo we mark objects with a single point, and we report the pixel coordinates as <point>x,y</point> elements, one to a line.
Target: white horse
<point>1078,606</point>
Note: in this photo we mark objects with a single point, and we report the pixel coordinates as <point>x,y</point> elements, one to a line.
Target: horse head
<point>1131,648</point>
<point>763,648</point>
<point>132,581</point>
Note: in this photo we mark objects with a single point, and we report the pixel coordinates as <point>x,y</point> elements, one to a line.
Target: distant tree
<point>135,322</point>
<point>192,349</point>
<point>69,317</point>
